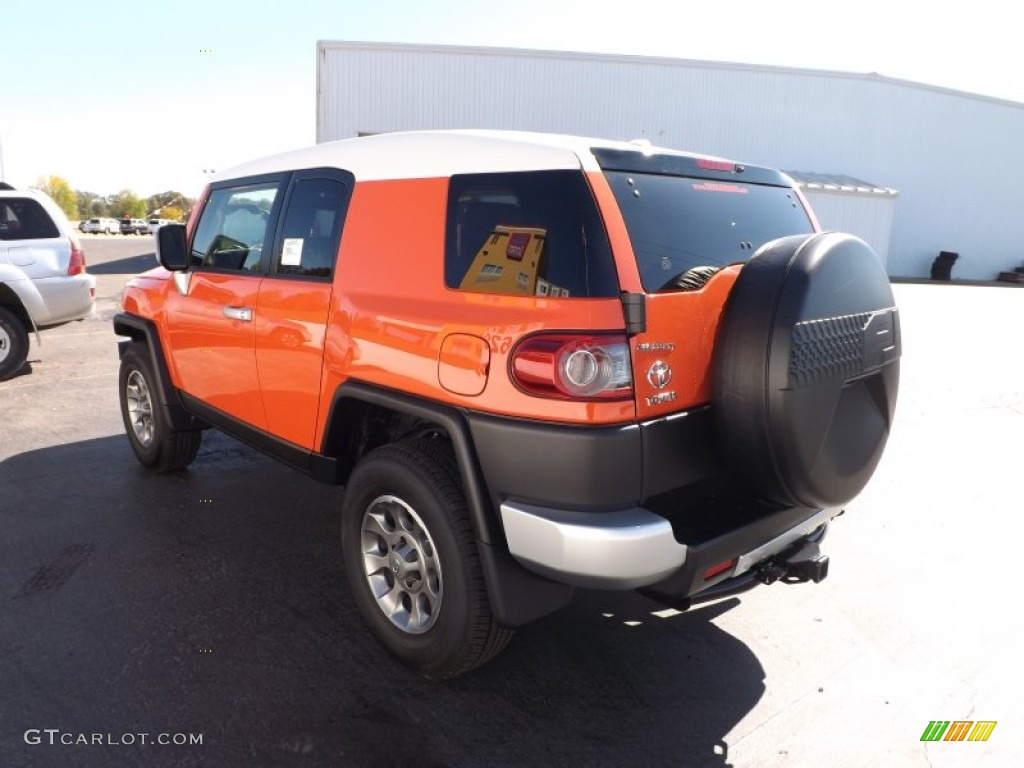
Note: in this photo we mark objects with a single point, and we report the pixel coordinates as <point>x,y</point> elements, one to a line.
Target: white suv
<point>43,281</point>
<point>155,224</point>
<point>102,226</point>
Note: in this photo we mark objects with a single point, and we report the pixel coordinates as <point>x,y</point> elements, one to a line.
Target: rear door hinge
<point>634,311</point>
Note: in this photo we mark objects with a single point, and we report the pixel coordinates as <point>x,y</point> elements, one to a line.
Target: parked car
<point>134,227</point>
<point>536,363</point>
<point>43,280</point>
<point>155,224</point>
<point>102,226</point>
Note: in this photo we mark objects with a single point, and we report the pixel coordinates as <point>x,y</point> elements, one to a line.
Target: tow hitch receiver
<point>801,562</point>
<point>806,564</point>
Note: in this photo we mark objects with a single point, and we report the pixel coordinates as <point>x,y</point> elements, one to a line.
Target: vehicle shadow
<point>24,370</point>
<point>130,265</point>
<point>212,602</point>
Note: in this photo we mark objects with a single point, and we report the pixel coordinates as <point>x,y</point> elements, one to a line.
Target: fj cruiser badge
<point>654,346</point>
<point>659,374</point>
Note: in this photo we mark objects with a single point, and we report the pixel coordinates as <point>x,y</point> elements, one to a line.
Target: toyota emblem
<point>659,374</point>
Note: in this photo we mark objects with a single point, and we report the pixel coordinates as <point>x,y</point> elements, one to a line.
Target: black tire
<point>13,343</point>
<point>457,631</point>
<point>807,368</point>
<point>692,279</point>
<point>155,443</point>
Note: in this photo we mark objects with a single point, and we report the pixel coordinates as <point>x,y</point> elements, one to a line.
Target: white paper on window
<point>291,256</point>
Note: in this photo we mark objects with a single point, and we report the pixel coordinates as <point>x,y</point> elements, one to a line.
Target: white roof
<point>434,154</point>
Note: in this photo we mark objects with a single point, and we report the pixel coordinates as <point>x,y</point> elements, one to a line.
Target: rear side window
<point>22,218</point>
<point>312,223</point>
<point>527,234</point>
<point>234,227</point>
<point>676,223</point>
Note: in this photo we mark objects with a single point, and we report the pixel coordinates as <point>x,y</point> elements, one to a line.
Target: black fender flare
<point>517,596</point>
<point>449,419</point>
<point>137,329</point>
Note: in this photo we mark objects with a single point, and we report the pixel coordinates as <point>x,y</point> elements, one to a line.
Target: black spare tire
<point>807,369</point>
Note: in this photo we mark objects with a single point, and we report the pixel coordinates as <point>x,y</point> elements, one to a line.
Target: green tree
<point>86,202</point>
<point>62,194</point>
<point>127,205</point>
<point>157,203</point>
<point>171,212</point>
<point>101,207</point>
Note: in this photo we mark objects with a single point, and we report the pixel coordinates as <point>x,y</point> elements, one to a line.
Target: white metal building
<point>845,204</point>
<point>952,156</point>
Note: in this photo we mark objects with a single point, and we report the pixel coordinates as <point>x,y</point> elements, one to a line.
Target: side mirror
<point>171,250</point>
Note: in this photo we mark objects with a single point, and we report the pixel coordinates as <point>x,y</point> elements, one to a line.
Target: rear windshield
<point>22,218</point>
<point>676,223</point>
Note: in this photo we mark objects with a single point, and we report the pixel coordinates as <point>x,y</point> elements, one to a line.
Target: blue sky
<point>146,98</point>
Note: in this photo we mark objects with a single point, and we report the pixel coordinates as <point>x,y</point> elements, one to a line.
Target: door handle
<point>238,313</point>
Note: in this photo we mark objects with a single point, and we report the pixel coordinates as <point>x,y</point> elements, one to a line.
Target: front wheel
<point>156,443</point>
<point>411,560</point>
<point>13,343</point>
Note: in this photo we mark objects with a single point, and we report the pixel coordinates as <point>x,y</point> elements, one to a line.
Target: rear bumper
<point>607,550</point>
<point>650,505</point>
<point>634,547</point>
<point>65,298</point>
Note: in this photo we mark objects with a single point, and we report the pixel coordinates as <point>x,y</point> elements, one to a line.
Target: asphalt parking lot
<point>212,601</point>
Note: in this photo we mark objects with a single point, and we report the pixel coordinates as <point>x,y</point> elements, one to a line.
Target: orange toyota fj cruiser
<point>536,362</point>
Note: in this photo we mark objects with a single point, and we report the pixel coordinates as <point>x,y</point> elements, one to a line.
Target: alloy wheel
<point>140,408</point>
<point>400,564</point>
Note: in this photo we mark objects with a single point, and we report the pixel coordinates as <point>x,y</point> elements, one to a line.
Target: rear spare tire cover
<point>807,369</point>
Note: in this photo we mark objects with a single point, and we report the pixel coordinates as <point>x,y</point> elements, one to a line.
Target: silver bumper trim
<point>747,561</point>
<point>623,549</point>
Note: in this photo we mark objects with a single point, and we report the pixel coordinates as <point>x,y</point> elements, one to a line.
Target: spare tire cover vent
<point>807,369</point>
<point>841,347</point>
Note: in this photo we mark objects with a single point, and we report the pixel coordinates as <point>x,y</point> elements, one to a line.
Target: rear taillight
<point>574,367</point>
<point>76,266</point>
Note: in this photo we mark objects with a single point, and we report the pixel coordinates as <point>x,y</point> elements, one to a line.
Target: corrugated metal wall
<point>869,217</point>
<point>951,156</point>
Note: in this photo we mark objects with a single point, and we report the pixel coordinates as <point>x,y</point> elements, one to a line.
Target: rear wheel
<point>155,443</point>
<point>411,560</point>
<point>13,343</point>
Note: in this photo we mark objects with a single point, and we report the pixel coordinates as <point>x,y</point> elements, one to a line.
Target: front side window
<point>25,219</point>
<point>535,233</point>
<point>234,227</point>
